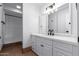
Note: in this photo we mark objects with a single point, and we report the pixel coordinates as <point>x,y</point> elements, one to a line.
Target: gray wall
<point>13,29</point>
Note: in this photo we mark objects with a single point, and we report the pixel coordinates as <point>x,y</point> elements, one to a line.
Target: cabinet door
<point>34,47</point>
<point>39,49</point>
<point>34,44</point>
<point>44,49</point>
<point>59,52</point>
<point>47,51</point>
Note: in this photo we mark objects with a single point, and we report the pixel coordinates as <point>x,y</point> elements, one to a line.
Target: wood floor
<point>16,50</point>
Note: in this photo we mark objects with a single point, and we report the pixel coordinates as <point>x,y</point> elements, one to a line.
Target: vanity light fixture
<point>51,6</point>
<point>50,9</point>
<point>17,6</point>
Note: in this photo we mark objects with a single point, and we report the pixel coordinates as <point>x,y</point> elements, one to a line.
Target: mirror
<point>59,21</point>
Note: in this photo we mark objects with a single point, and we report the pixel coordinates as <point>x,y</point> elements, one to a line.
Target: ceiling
<point>8,12</point>
<point>11,9</point>
<point>40,4</point>
<point>13,6</point>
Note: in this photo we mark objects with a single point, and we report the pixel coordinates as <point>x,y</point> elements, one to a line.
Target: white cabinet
<point>59,52</point>
<point>61,49</point>
<point>44,49</point>
<point>34,44</point>
<point>64,49</point>
<point>41,47</point>
<point>62,46</point>
<point>47,51</point>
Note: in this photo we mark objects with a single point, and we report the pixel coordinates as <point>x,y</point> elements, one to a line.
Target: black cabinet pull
<point>42,45</point>
<point>0,37</point>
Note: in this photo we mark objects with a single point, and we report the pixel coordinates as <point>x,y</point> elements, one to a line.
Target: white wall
<point>13,28</point>
<point>30,22</point>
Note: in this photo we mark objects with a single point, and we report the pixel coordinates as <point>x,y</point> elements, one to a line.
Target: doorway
<point>12,29</point>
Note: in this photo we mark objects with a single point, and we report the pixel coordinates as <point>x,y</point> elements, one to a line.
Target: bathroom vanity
<point>64,21</point>
<point>44,45</point>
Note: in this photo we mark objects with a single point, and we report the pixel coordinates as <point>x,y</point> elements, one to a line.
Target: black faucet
<point>50,32</point>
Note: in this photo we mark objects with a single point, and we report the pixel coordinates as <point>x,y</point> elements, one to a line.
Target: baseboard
<point>11,42</point>
<point>19,42</point>
<point>27,49</point>
<point>0,49</point>
<point>35,53</point>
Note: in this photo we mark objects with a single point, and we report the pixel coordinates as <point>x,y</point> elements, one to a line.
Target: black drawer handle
<point>0,37</point>
<point>42,45</point>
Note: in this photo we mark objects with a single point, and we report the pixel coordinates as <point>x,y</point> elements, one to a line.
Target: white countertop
<point>58,37</point>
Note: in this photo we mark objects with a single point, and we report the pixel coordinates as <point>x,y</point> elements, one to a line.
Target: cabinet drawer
<point>47,51</point>
<point>63,46</point>
<point>45,41</point>
<point>59,52</point>
<point>44,50</point>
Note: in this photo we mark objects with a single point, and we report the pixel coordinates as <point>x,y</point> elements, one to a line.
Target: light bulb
<point>19,7</point>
